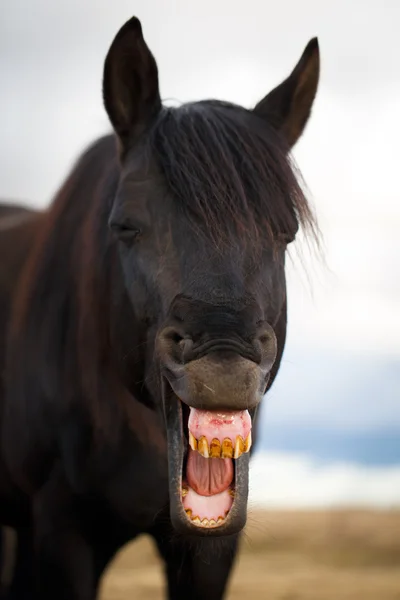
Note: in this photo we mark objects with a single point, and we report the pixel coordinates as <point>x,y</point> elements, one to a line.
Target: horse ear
<point>288,106</point>
<point>130,84</point>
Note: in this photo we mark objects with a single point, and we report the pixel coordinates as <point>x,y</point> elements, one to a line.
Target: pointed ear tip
<point>312,46</point>
<point>133,25</point>
<point>135,22</point>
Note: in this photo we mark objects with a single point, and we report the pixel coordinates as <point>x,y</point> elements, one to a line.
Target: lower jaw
<point>217,505</point>
<point>182,518</point>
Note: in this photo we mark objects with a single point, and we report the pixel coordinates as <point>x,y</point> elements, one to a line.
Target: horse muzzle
<point>210,403</point>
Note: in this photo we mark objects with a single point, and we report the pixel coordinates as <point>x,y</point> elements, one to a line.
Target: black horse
<point>148,323</point>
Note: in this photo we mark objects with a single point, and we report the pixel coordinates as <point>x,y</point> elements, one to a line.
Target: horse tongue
<point>208,476</point>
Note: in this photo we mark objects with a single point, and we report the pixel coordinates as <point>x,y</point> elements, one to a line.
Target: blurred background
<point>331,424</point>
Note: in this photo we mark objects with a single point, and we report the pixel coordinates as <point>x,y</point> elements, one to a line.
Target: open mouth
<point>216,440</point>
<point>208,454</point>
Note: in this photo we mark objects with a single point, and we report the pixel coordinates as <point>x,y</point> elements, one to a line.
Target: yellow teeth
<point>239,447</point>
<point>216,449</point>
<point>247,443</point>
<point>192,441</point>
<point>202,447</point>
<point>205,522</point>
<point>227,448</point>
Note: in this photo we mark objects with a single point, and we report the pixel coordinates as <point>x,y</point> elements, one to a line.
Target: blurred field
<point>337,555</point>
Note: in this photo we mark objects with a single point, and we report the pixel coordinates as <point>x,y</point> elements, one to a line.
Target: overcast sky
<point>344,318</point>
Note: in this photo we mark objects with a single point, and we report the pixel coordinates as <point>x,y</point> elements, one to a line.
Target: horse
<point>147,325</point>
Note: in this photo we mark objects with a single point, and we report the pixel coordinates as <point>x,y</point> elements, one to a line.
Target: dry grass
<point>337,555</point>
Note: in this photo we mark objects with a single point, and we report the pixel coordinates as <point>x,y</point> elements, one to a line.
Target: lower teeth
<point>205,522</point>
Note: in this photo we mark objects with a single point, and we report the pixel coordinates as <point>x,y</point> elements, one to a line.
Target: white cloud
<point>279,480</point>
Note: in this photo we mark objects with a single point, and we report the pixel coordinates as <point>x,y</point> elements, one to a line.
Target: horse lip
<point>237,516</point>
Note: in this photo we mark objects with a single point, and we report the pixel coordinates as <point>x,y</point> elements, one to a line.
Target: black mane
<point>230,172</point>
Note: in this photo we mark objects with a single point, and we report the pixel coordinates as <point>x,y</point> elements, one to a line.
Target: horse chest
<point>130,473</point>
<point>138,491</point>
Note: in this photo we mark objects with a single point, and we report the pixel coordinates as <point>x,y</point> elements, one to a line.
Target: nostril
<point>175,343</point>
<point>264,338</point>
<point>266,341</point>
<point>172,334</point>
<point>176,338</point>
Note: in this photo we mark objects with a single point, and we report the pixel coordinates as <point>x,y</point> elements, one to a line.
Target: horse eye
<point>126,233</point>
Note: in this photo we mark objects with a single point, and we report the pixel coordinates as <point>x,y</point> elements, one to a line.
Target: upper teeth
<point>216,449</point>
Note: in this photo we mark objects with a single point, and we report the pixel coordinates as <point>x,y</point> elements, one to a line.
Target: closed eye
<point>125,231</point>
